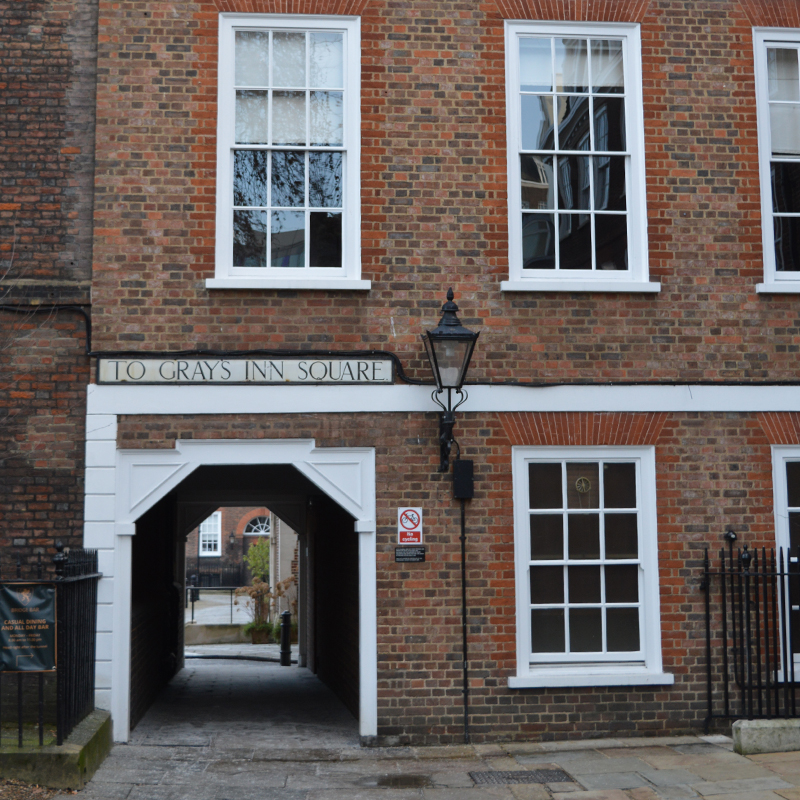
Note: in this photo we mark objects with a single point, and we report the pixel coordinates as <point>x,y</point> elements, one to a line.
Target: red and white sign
<point>409,526</point>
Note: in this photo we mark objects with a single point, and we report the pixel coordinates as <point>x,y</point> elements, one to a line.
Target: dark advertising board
<point>27,627</point>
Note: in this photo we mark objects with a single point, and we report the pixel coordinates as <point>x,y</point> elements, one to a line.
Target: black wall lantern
<point>449,347</point>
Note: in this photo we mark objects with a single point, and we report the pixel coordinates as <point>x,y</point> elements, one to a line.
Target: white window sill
<point>544,285</point>
<point>308,284</point>
<point>210,555</point>
<point>598,677</point>
<point>782,287</point>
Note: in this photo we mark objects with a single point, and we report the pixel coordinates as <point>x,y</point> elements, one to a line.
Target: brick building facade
<point>608,188</point>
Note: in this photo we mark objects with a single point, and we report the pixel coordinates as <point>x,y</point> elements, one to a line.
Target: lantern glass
<point>449,357</point>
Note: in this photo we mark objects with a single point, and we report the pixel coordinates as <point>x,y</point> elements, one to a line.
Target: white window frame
<point>213,528</point>
<point>774,282</point>
<point>227,276</point>
<point>268,532</point>
<point>542,670</point>
<point>781,455</point>
<point>636,277</point>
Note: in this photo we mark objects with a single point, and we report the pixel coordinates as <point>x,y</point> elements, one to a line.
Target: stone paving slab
<point>227,730</point>
<point>751,785</point>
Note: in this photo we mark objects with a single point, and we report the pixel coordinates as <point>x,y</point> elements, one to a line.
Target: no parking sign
<point>409,526</point>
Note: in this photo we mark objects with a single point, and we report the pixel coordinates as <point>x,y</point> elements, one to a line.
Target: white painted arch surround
<point>121,485</point>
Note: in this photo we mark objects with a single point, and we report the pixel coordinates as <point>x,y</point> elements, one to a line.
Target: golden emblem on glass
<point>583,485</point>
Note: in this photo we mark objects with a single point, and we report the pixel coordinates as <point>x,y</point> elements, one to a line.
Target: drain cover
<point>521,776</point>
<point>403,781</point>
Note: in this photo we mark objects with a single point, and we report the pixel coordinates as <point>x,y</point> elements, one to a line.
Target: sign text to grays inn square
<point>245,370</point>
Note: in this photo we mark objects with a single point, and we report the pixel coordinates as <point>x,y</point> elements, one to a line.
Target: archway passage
<point>328,591</point>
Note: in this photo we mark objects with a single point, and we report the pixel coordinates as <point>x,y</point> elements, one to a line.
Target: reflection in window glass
<point>326,60</point>
<point>288,239</point>
<point>288,204</point>
<point>572,100</point>
<point>535,64</point>
<point>288,59</point>
<point>252,58</point>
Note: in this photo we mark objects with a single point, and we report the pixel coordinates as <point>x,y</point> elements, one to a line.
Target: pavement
<point>248,730</point>
<point>219,607</point>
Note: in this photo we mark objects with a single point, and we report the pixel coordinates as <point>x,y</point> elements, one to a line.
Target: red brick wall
<point>47,54</point>
<point>43,377</point>
<point>433,198</point>
<point>47,72</point>
<point>712,471</point>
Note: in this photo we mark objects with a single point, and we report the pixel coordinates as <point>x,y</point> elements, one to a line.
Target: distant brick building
<point>270,201</point>
<point>216,548</point>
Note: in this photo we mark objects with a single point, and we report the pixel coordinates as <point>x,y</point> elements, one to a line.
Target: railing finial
<point>60,558</point>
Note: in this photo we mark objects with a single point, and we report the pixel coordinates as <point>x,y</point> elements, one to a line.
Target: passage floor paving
<point>247,730</point>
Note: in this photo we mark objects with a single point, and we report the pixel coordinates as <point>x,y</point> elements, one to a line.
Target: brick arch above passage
<point>574,10</point>
<point>587,429</point>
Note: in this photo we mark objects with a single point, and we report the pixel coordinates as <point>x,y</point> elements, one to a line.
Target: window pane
<point>547,630</point>
<point>544,485</point>
<point>547,585</point>
<point>573,123</point>
<point>249,239</point>
<point>536,173</point>
<point>574,241</point>
<point>325,60</point>
<point>325,180</point>
<point>571,66</point>
<point>288,239</point>
<point>288,178</point>
<point>538,241</point>
<point>622,629</point>
<point>622,584</point>
<point>794,534</point>
<point>619,485</point>
<point>327,121</point>
<point>782,74</point>
<point>621,536</point>
<point>288,59</point>
<point>785,179</point>
<point>251,118</point>
<point>547,536</point>
<point>573,182</point>
<point>584,584</point>
<point>784,124</point>
<point>607,66</point>
<point>537,122</point>
<point>249,177</point>
<point>289,117</point>
<point>611,241</point>
<point>609,123</point>
<point>585,630</point>
<point>609,183</point>
<point>583,486</point>
<point>584,536</point>
<point>793,483</point>
<point>787,243</point>
<point>325,232</point>
<point>252,58</point>
<point>535,65</point>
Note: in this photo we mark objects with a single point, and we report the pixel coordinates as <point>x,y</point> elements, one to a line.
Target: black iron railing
<point>752,605</point>
<point>206,575</point>
<point>71,694</point>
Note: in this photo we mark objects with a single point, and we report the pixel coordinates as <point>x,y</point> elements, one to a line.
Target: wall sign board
<point>409,526</point>
<point>27,627</point>
<point>409,555</point>
<point>292,370</point>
